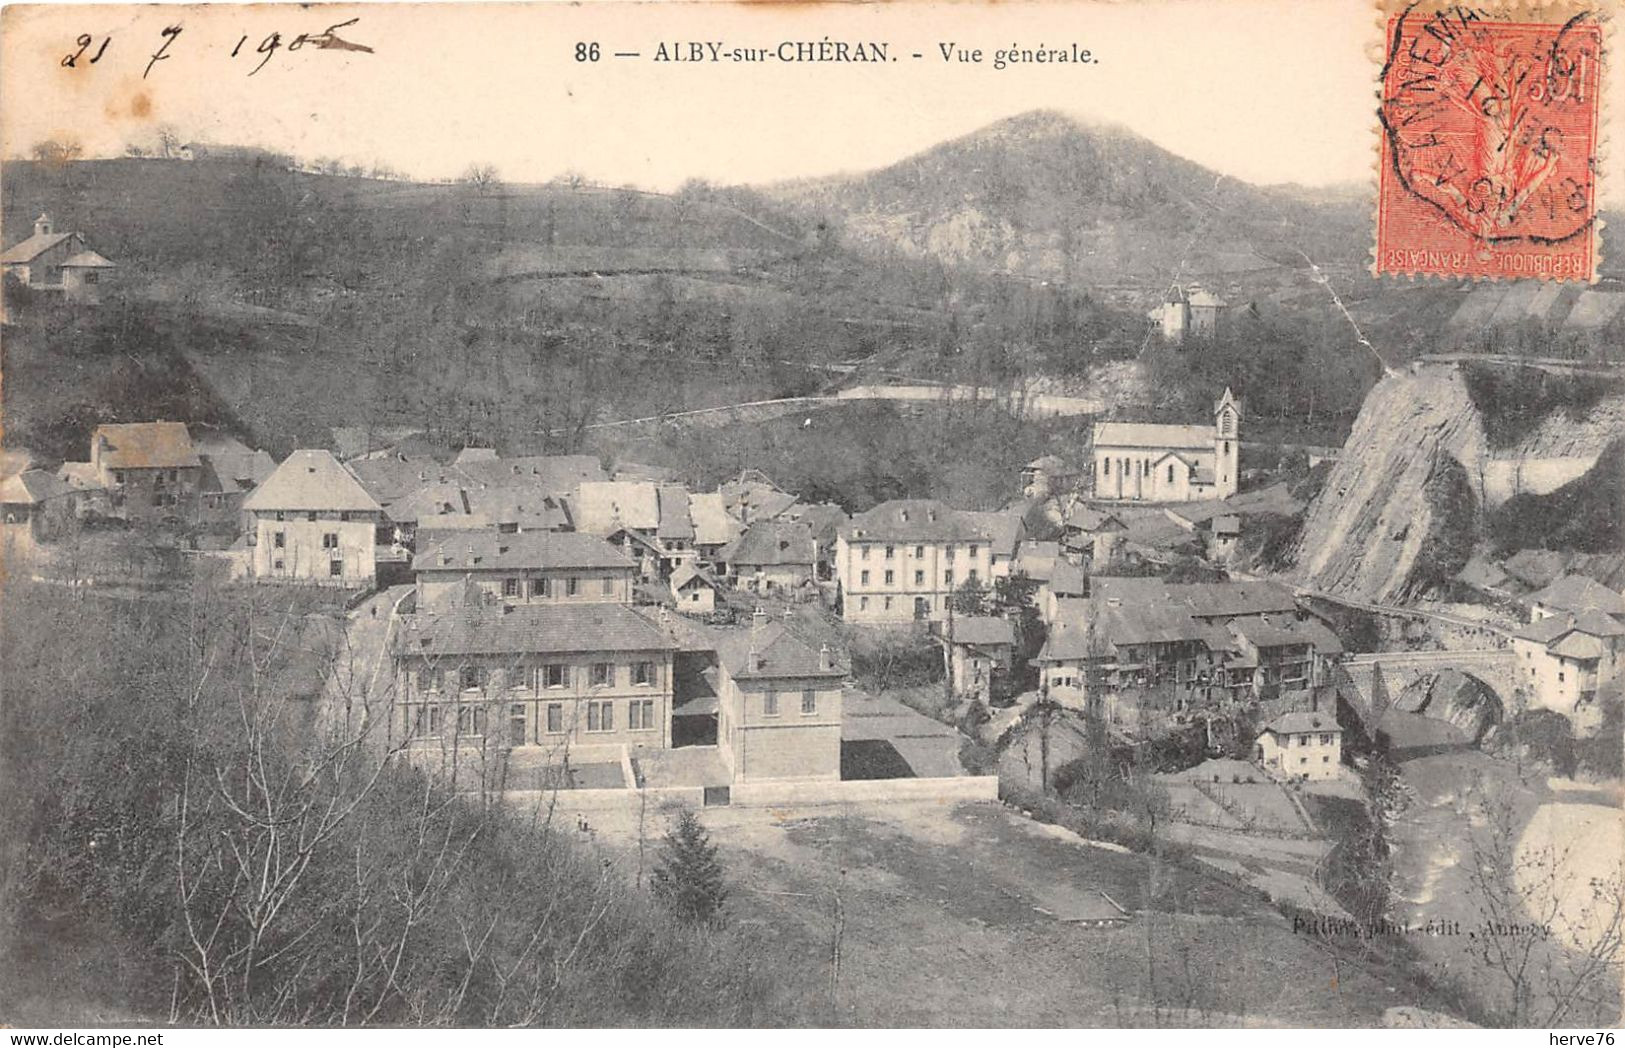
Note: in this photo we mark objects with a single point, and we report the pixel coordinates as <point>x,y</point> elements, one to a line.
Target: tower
<point>42,226</point>
<point>1226,444</point>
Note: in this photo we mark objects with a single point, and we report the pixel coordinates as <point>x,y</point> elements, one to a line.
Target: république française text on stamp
<point>1490,143</point>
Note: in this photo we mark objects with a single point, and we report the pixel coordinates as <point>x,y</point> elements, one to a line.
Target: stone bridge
<point>1378,678</point>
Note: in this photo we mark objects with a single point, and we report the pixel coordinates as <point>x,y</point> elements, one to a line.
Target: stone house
<point>771,556</point>
<point>150,470</point>
<point>1301,745</point>
<point>527,567</point>
<point>61,263</point>
<point>314,523</point>
<point>980,650</point>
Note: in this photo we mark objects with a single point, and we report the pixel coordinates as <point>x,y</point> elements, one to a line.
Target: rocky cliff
<point>1394,502</point>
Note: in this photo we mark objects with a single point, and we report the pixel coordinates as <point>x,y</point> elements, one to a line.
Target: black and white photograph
<point>723,515</point>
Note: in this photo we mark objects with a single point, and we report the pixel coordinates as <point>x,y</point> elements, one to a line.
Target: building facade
<point>902,560</point>
<point>150,470</point>
<point>527,567</point>
<point>313,523</point>
<point>1301,745</point>
<point>779,706</point>
<point>1153,462</point>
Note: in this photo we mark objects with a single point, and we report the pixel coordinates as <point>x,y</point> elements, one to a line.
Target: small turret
<point>42,225</point>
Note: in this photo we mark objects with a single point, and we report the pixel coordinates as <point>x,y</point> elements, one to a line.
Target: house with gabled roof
<point>314,523</point>
<point>1564,657</point>
<point>779,705</point>
<point>903,560</point>
<point>981,650</point>
<point>1302,744</point>
<point>55,262</point>
<point>695,590</point>
<point>527,567</point>
<point>150,470</point>
<point>36,504</point>
<point>772,555</point>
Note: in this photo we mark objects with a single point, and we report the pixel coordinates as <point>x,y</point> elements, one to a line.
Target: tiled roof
<point>1577,592</point>
<point>981,629</point>
<point>768,543</point>
<point>237,467</point>
<point>683,574</point>
<point>1152,435</point>
<point>553,474</point>
<point>1300,722</point>
<point>33,247</point>
<point>1049,464</point>
<point>675,522</point>
<point>1038,559</point>
<point>311,479</point>
<point>88,259</point>
<point>909,520</point>
<point>1067,579</point>
<point>1087,518</point>
<point>33,486</point>
<point>603,507</point>
<point>1004,529</point>
<point>713,526</point>
<point>498,551</point>
<point>825,518</point>
<point>146,445</point>
<point>531,629</point>
<point>781,653</point>
<point>1577,645</point>
<point>81,476</point>
<point>392,477</point>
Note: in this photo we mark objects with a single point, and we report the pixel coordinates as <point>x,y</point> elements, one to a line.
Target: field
<point>959,916</point>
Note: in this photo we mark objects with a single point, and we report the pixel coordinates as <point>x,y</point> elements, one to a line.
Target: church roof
<point>1152,435</point>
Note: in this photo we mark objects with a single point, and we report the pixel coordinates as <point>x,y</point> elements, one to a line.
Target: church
<point>1154,462</point>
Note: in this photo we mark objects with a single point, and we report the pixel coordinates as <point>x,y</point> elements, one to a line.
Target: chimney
<point>789,613</point>
<point>753,661</point>
<point>758,618</point>
<point>826,659</point>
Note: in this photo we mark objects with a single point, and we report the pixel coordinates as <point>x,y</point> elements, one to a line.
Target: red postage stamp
<point>1489,146</point>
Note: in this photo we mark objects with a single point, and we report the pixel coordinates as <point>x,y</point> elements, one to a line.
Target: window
<point>344,516</point>
<point>891,577</point>
<point>281,515</point>
<point>470,677</point>
<point>571,586</point>
<point>919,578</point>
<point>118,478</point>
<point>1105,467</point>
<point>1170,472</point>
<point>1325,740</point>
<point>555,718</point>
<point>640,714</point>
<point>311,515</point>
<point>948,551</point>
<point>863,551</point>
<point>888,603</point>
<point>279,540</point>
<point>1560,676</point>
<point>863,603</point>
<point>516,724</point>
<point>919,551</point>
<point>510,587</point>
<point>540,588</point>
<point>973,551</point>
<point>600,716</point>
<point>276,565</point>
<point>609,587</point>
<point>863,578</point>
<point>809,702</point>
<point>426,721</point>
<point>891,551</point>
<point>470,719</point>
<point>330,540</point>
<point>335,567</point>
<point>1326,760</point>
<point>174,475</point>
<point>948,577</point>
<point>972,575</point>
<point>770,704</point>
<point>553,675</point>
<point>93,277</point>
<point>1303,760</point>
<point>601,674</point>
<point>643,673</point>
<point>1227,447</point>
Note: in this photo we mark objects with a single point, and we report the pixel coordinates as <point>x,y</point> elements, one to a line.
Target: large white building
<point>313,523</point>
<point>1156,462</point>
<point>902,560</point>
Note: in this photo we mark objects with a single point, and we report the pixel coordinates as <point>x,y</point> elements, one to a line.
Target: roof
<point>602,507</point>
<point>553,474</point>
<point>1203,599</point>
<point>684,574</point>
<point>1038,559</point>
<point>237,467</point>
<point>909,520</point>
<point>389,478</point>
<point>1482,572</point>
<point>1577,645</point>
<point>1087,518</point>
<point>88,259</point>
<point>675,523</point>
<point>1004,529</point>
<point>478,550</point>
<point>825,519</point>
<point>79,476</point>
<point>1300,722</point>
<point>780,652</point>
<point>33,247</point>
<point>311,479</point>
<point>768,543</point>
<point>468,455</point>
<point>33,486</point>
<point>1152,435</point>
<point>530,629</point>
<point>1577,592</point>
<point>1264,632</point>
<point>713,526</point>
<point>1049,464</point>
<point>981,630</point>
<point>146,445</point>
<point>1229,524</point>
<point>1068,579</point>
<point>751,496</point>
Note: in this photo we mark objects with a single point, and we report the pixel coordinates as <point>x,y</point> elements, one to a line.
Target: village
<point>1191,664</point>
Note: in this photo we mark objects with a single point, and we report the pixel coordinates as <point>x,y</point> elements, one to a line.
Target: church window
<point>1105,467</point>
<point>1170,472</point>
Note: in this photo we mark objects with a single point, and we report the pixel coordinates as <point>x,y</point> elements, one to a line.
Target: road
<point>360,686</point>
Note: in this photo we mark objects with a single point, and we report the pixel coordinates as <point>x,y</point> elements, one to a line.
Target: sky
<point>1264,91</point>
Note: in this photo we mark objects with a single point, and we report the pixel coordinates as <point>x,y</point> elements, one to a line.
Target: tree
<point>970,598</point>
<point>483,177</point>
<point>52,151</point>
<point>688,878</point>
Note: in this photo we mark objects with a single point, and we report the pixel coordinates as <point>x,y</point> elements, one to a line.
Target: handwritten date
<point>87,51</point>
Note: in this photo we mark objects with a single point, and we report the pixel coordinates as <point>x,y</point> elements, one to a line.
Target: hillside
<point>1046,196</point>
<point>293,302</point>
<point>1406,501</point>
